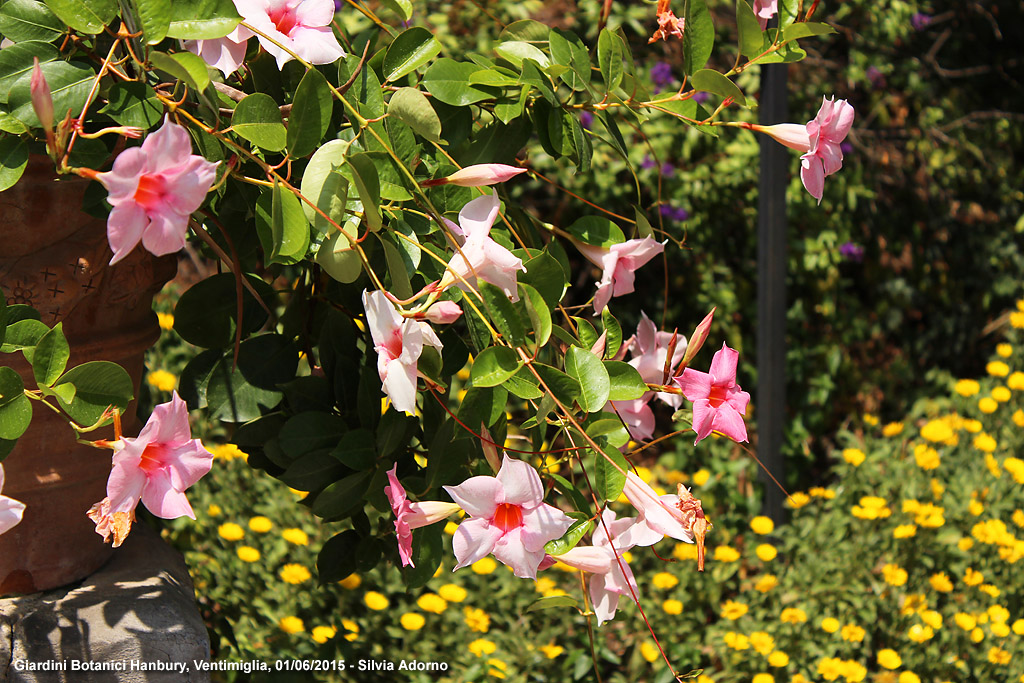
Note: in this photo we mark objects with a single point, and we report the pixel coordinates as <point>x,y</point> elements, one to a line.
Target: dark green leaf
<point>231,398</point>
<point>133,104</point>
<point>588,370</point>
<point>804,29</point>
<point>750,35</point>
<point>367,182</point>
<point>409,51</point>
<point>70,83</point>
<point>626,383</point>
<point>608,479</point>
<point>344,497</point>
<point>13,160</point>
<point>310,115</point>
<point>86,16</point>
<point>98,385</point>
<point>206,313</point>
<point>502,313</point>
<point>22,20</point>
<point>709,80</point>
<point>338,556</point>
<point>524,385</point>
<point>609,58</point>
<point>564,388</point>
<point>544,273</point>
<point>257,118</point>
<point>568,50</point>
<point>202,19</point>
<point>613,333</point>
<point>698,36</point>
<point>494,365</point>
<point>448,81</point>
<point>312,472</point>
<point>482,405</point>
<point>538,312</point>
<point>15,406</point>
<point>51,356</point>
<point>16,61</point>
<point>356,450</point>
<point>413,108</point>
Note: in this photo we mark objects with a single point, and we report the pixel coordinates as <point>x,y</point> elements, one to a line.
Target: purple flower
<point>661,75</point>
<point>674,213</point>
<point>648,163</point>
<point>851,252</point>
<point>586,119</point>
<point>701,97</point>
<point>875,76</point>
<point>920,20</point>
<point>845,147</point>
<point>668,170</point>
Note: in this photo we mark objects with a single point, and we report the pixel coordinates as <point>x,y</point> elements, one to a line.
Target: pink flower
<point>478,175</point>
<point>718,402</point>
<point>481,257</point>
<point>619,262</point>
<point>650,352</point>
<point>765,10</point>
<point>828,129</point>
<point>409,516</point>
<point>301,26</point>
<point>792,135</point>
<point>153,189</point>
<point>42,99</point>
<point>10,509</point>
<point>156,468</point>
<point>679,516</point>
<point>225,54</point>
<point>399,343</point>
<point>509,518</point>
<point>443,313</point>
<point>636,415</point>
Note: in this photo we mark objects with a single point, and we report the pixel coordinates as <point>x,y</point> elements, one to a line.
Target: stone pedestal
<point>135,620</point>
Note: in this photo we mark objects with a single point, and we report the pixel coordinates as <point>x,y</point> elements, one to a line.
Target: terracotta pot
<point>55,259</point>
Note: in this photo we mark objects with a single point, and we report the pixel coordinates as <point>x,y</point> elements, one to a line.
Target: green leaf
<point>609,58</point>
<point>750,35</point>
<point>569,539</point>
<point>568,50</point>
<point>23,335</point>
<point>804,29</point>
<point>344,497</point>
<point>502,313</point>
<point>133,104</point>
<point>516,51</point>
<point>532,76</point>
<point>257,119</point>
<point>337,558</point>
<point>588,370</point>
<point>698,36</point>
<point>538,312</point>
<point>409,51</point>
<point>544,273</point>
<point>563,485</point>
<point>401,8</point>
<point>494,365</point>
<point>356,450</point>
<point>608,480</point>
<point>15,406</point>
<point>22,20</point>
<point>310,115</point>
<point>288,227</point>
<point>155,17</point>
<point>13,160</point>
<point>51,356</point>
<point>524,385</point>
<point>70,83</point>
<point>17,60</point>
<point>312,472</point>
<point>4,316</point>
<point>202,19</point>
<point>626,383</point>
<point>551,602</point>
<point>367,182</point>
<point>206,314</point>
<point>85,16</point>
<point>231,397</point>
<point>338,259</point>
<point>412,108</point>
<point>185,66</point>
<point>98,385</point>
<point>448,81</point>
<point>400,284</point>
<point>596,230</point>
<point>527,30</point>
<point>709,80</point>
<point>565,388</point>
<point>483,405</point>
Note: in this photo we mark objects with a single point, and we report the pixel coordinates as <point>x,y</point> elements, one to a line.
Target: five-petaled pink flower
<point>618,263</point>
<point>153,189</point>
<point>409,516</point>
<point>765,10</point>
<point>399,343</point>
<point>508,517</point>
<point>679,516</point>
<point>479,256</point>
<point>156,467</point>
<point>10,509</point>
<point>718,402</point>
<point>301,26</point>
<point>826,132</point>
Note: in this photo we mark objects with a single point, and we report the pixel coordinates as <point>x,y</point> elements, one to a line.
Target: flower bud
<point>478,175</point>
<point>42,100</point>
<point>443,312</point>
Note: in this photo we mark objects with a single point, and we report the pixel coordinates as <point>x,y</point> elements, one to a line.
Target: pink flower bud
<point>443,312</point>
<point>484,174</point>
<point>42,100</point>
<point>792,135</point>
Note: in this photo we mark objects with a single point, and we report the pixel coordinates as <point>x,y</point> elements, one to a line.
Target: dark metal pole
<point>771,291</point>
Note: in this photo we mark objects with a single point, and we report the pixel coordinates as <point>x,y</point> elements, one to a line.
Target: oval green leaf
<point>494,365</point>
<point>409,51</point>
<point>588,370</point>
<point>257,118</point>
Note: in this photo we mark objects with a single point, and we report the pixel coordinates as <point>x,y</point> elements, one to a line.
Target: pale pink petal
<point>792,135</point>
<point>188,184</point>
<point>703,417</point>
<point>602,296</point>
<point>636,415</point>
<point>381,316</point>
<point>729,422</point>
<point>225,54</point>
<point>479,496</point>
<point>694,383</point>
<point>479,175</point>
<point>812,175</point>
<point>520,482</point>
<point>738,400</point>
<point>511,551</point>
<point>542,524</point>
<point>125,227</point>
<point>399,384</point>
<point>166,233</point>
<point>843,121</point>
<point>589,559</point>
<point>169,422</point>
<point>162,499</point>
<point>188,464</point>
<point>317,45</point>
<point>654,509</point>
<point>477,217</point>
<point>428,512</point>
<point>473,540</point>
<point>646,339</point>
<point>395,491</point>
<point>723,365</point>
<point>125,483</point>
<point>167,148</point>
<point>639,533</point>
<point>831,157</point>
<point>11,512</point>
<point>404,543</point>
<point>315,12</point>
<point>122,180</point>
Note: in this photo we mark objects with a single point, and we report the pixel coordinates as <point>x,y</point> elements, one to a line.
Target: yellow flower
<point>482,647</point>
<point>793,615</point>
<point>967,387</point>
<point>229,451</point>
<point>724,553</point>
<point>214,510</point>
<point>892,429</point>
<point>700,477</point>
<point>1018,627</point>
<point>965,621</point>
<point>1015,466</point>
<point>778,659</point>
<point>798,499</point>
<point>162,380</point>
<point>322,634</point>
<point>477,619</point>
<point>551,651</point>
<point>854,456</point>
<point>919,633</point>
<point>937,431</point>
<point>998,656</point>
<point>999,629</point>
<point>909,677</point>
<point>985,443</point>
<point>998,613</point>
<point>497,669</point>
<point>852,633</point>
<point>993,466</point>
<point>452,593</point>
<point>1017,319</point>
<point>988,405</point>
<point>870,420</point>
<point>294,574</point>
<point>376,601</point>
<point>450,528</point>
<point>889,659</point>
<point>853,671</point>
<point>685,551</point>
<point>291,625</point>
<point>904,531</point>
<point>894,575</point>
<point>927,458</point>
<point>997,368</point>
<point>829,625</point>
<point>830,668</point>
<point>485,565</point>
<point>1001,394</point>
<point>672,607</point>
<point>664,580</point>
<point>766,552</point>
<point>260,525</point>
<point>762,525</point>
<point>248,553</point>
<point>1015,381</point>
<point>932,618</point>
<point>411,621</point>
<point>914,602</point>
<point>736,641</point>
<point>766,582</point>
<point>432,602</point>
<point>230,531</point>
<point>973,426</point>
<point>1004,350</point>
<point>733,610</point>
<point>977,635</point>
<point>941,582</point>
<point>351,628</point>
<point>165,321</point>
<point>973,578</point>
<point>763,678</point>
<point>351,582</point>
<point>649,651</point>
<point>762,642</point>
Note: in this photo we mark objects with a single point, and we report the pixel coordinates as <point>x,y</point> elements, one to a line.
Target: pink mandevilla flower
<point>765,10</point>
<point>225,54</point>
<point>10,509</point>
<point>409,516</point>
<point>301,26</point>
<point>618,263</point>
<point>156,467</point>
<point>479,256</point>
<point>399,343</point>
<point>679,516</point>
<point>718,402</point>
<point>508,517</point>
<point>827,131</point>
<point>153,189</point>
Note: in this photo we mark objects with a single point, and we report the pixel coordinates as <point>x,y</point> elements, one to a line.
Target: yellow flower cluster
<point>871,507</point>
<point>892,429</point>
<point>926,457</point>
<point>831,668</point>
<point>854,456</point>
<point>940,431</point>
